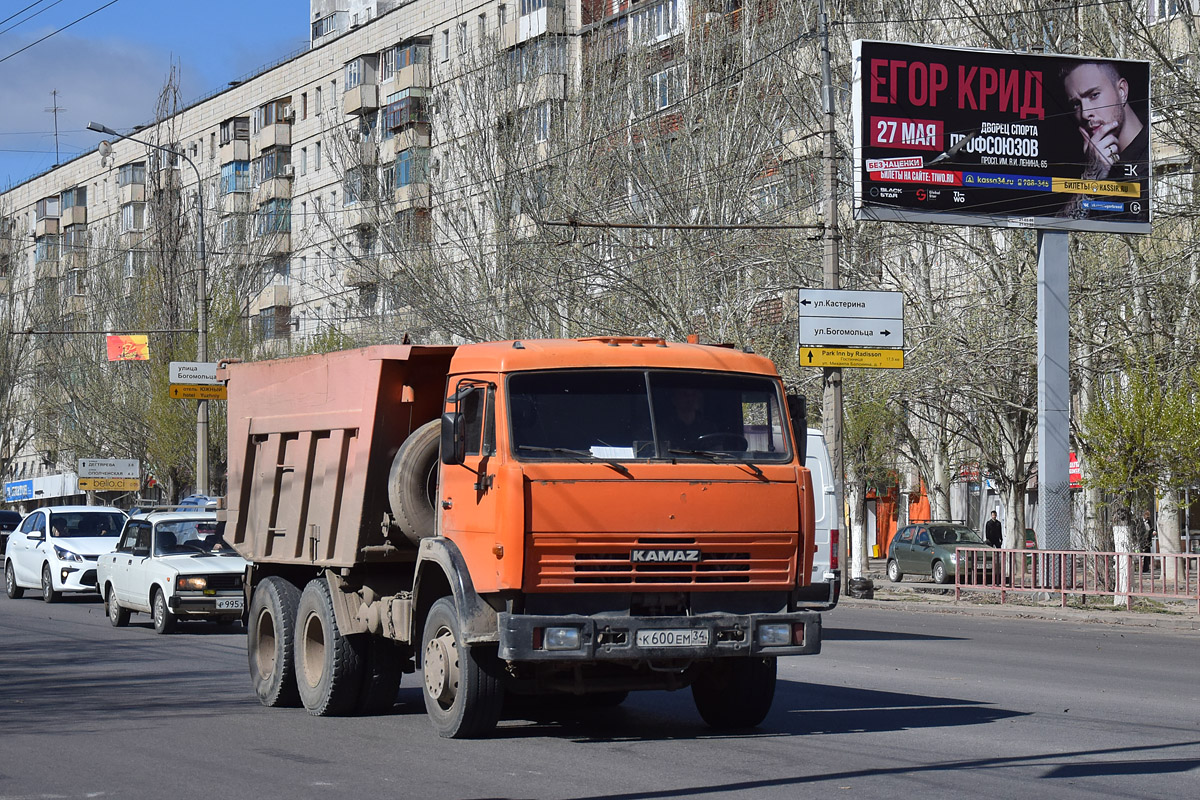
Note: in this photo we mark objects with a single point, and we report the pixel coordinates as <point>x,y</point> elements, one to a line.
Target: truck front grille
<point>558,561</point>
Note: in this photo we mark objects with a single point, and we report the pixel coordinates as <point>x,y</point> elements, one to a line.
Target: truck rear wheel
<point>735,692</point>
<point>382,671</point>
<point>270,635</point>
<point>464,694</point>
<point>328,665</point>
<point>412,482</point>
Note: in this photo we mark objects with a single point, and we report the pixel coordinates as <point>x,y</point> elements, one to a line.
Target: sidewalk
<point>911,594</point>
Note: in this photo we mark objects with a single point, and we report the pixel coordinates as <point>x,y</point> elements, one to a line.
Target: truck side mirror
<point>454,442</point>
<point>798,410</point>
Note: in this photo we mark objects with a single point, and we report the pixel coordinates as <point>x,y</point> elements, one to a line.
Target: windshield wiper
<point>719,455</point>
<point>581,455</point>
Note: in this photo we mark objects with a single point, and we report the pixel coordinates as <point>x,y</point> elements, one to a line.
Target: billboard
<point>991,137</point>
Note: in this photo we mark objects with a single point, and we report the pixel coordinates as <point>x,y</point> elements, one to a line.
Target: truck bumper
<point>523,637</point>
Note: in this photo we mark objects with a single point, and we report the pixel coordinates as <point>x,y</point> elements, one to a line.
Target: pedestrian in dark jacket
<point>992,532</point>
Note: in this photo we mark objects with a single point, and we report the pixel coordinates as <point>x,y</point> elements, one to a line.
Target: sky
<point>111,66</point>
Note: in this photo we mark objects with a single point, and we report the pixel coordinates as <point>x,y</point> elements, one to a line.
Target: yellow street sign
<point>196,391</point>
<point>109,484</point>
<point>851,357</point>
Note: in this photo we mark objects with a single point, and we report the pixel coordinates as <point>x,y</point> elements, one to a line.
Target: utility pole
<point>831,401</point>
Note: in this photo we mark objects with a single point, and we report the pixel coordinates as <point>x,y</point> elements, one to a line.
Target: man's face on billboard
<point>1095,98</point>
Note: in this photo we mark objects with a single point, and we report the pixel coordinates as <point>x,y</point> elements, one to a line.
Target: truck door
<point>468,492</point>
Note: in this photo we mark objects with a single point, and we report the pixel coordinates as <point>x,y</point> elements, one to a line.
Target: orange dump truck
<point>546,518</point>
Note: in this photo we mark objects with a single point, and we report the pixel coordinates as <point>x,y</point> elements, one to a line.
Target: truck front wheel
<point>270,633</point>
<point>463,689</point>
<point>735,692</point>
<point>328,666</point>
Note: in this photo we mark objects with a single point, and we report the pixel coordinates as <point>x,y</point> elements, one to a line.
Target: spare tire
<point>413,483</point>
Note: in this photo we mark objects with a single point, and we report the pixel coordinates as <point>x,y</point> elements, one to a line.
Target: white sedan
<point>55,548</point>
<point>173,566</point>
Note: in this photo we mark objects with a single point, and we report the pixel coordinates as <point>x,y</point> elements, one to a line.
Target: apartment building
<point>303,169</point>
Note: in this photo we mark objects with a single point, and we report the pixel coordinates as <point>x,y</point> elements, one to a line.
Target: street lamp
<point>201,300</point>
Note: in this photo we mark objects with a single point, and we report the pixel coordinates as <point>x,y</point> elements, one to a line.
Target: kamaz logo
<point>658,556</point>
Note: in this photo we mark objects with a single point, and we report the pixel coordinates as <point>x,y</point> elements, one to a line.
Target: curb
<point>914,600</point>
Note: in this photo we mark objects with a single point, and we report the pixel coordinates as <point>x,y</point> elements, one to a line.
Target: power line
<point>59,30</point>
<point>31,16</point>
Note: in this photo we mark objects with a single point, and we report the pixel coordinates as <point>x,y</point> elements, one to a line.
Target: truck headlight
<point>561,639</point>
<point>66,555</point>
<point>195,584</point>
<point>774,634</point>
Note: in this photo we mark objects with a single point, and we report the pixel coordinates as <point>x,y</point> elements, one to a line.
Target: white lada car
<point>55,548</point>
<point>173,566</point>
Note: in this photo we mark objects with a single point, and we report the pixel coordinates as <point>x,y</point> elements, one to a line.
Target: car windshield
<point>623,415</point>
<point>71,524</point>
<point>189,537</point>
<point>948,534</point>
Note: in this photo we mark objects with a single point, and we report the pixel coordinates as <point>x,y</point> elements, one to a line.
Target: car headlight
<point>954,557</point>
<point>66,555</point>
<point>196,584</point>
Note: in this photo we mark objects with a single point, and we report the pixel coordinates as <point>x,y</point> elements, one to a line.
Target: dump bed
<point>311,440</point>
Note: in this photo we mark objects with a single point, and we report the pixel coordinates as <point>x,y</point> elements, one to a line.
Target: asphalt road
<point>900,704</point>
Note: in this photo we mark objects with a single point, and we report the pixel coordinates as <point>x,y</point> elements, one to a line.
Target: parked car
<point>9,520</point>
<point>931,548</point>
<point>202,502</point>
<point>174,566</point>
<point>55,548</point>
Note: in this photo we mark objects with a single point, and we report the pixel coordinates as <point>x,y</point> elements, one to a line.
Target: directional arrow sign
<point>851,319</point>
<point>851,357</point>
<point>849,304</point>
<point>852,332</point>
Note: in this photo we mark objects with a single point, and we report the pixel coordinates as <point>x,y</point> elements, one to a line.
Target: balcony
<point>277,135</point>
<point>540,88</point>
<point>360,215</point>
<point>235,203</point>
<point>416,135</point>
<point>132,193</point>
<point>368,154</point>
<point>76,304</point>
<point>276,243</point>
<point>75,215</point>
<point>414,195</point>
<point>74,257</point>
<point>414,76</point>
<point>365,273</point>
<point>551,19</point>
<point>236,150</point>
<point>47,226</point>
<point>362,99</point>
<point>273,296</point>
<point>47,269</point>
<point>131,240</point>
<point>277,188</point>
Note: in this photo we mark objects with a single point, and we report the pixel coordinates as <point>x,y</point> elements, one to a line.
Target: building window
<point>502,16</point>
<point>74,239</point>
<point>304,105</point>
<point>530,6</point>
<point>133,217</point>
<point>411,166</point>
<point>276,112</point>
<point>46,249</point>
<point>318,100</point>
<point>664,89</point>
<point>132,174</point>
<point>48,208</point>
<point>387,64</point>
<point>235,177</point>
<point>540,117</point>
<point>135,263</point>
<point>354,73</point>
<point>446,45</point>
<point>324,26</point>
<point>317,158</point>
<point>76,197</point>
<point>656,23</point>
<point>235,129</point>
<point>303,160</point>
<point>274,163</point>
<point>462,38</point>
<point>1161,10</point>
<point>274,216</point>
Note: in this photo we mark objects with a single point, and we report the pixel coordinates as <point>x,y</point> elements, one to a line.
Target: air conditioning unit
<point>288,171</point>
<point>289,113</point>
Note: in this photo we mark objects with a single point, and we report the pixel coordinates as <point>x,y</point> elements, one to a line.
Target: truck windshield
<point>625,415</point>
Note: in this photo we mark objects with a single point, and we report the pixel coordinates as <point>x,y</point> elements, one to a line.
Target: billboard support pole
<point>1053,518</point>
<point>831,400</point>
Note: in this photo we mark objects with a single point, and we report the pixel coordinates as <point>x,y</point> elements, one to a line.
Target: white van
<point>826,586</point>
